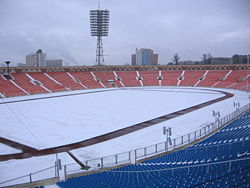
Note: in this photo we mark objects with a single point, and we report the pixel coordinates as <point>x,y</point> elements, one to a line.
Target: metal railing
<point>208,164</point>
<point>129,157</point>
<point>45,174</point>
<point>133,156</point>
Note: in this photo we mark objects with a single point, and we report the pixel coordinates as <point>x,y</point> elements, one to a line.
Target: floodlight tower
<point>8,66</point>
<point>99,26</point>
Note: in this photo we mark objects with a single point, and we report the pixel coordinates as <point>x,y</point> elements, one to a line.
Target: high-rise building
<point>37,59</point>
<point>220,60</point>
<point>133,59</point>
<point>54,63</point>
<point>154,59</point>
<point>239,59</point>
<point>144,56</point>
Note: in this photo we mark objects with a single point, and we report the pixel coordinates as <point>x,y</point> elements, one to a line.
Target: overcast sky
<point>187,27</point>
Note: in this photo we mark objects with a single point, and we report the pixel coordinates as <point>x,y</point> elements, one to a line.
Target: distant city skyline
<point>38,59</point>
<point>187,27</point>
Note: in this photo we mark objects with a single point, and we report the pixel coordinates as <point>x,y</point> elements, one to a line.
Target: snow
<point>51,186</point>
<point>51,122</point>
<point>17,168</point>
<point>4,149</point>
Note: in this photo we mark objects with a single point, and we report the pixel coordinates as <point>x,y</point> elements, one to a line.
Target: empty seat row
<point>219,164</point>
<point>36,83</point>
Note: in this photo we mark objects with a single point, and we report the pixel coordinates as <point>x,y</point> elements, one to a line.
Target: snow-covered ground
<point>4,149</point>
<point>17,168</point>
<point>51,122</point>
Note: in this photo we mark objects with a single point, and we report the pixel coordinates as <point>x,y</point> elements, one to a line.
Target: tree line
<point>207,59</point>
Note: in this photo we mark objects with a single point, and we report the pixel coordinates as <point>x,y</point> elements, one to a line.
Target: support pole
<point>99,52</point>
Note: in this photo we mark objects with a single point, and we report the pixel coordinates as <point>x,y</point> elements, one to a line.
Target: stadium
<point>125,126</point>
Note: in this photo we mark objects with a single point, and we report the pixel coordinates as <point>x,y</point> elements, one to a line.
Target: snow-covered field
<point>46,123</point>
<point>50,122</point>
<point>4,149</point>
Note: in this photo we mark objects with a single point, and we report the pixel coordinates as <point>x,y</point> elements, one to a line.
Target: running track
<point>29,151</point>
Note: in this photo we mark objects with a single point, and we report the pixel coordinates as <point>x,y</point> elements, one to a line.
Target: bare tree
<point>176,59</point>
<point>206,58</point>
<point>209,58</point>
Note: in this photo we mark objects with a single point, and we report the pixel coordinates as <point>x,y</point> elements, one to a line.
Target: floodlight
<point>8,68</point>
<point>99,26</point>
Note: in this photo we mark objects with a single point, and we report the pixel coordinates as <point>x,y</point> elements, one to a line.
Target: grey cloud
<point>61,29</point>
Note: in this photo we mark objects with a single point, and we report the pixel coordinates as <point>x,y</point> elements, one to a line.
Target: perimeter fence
<point>133,156</point>
<point>130,157</point>
<point>47,174</point>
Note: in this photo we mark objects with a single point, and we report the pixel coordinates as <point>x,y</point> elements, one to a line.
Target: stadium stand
<point>190,78</point>
<point>108,78</point>
<point>222,160</point>
<point>150,78</point>
<point>241,85</point>
<point>8,89</point>
<point>27,82</point>
<point>87,79</point>
<point>170,78</point>
<point>212,78</point>
<point>66,80</point>
<point>232,78</point>
<point>129,78</point>
<point>47,82</point>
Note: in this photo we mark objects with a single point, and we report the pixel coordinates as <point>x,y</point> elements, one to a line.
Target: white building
<point>37,59</point>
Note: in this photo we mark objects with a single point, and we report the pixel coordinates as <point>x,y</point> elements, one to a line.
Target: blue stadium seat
<point>230,143</point>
